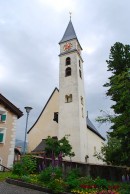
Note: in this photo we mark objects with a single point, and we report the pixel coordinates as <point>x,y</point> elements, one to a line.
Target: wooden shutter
<point>3,118</point>
<point>1,137</point>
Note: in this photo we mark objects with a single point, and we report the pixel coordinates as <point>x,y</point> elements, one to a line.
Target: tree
<point>58,148</point>
<point>110,152</point>
<point>119,91</point>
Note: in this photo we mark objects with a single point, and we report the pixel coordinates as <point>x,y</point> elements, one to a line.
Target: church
<point>65,111</point>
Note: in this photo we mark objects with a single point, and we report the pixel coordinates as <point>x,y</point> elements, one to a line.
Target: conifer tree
<point>119,92</point>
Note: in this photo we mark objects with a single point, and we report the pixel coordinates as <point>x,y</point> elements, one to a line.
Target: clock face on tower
<point>67,46</point>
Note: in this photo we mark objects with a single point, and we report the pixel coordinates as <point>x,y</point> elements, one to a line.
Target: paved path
<point>6,188</point>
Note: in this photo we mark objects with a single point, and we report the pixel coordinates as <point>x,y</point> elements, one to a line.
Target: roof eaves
<point>11,106</point>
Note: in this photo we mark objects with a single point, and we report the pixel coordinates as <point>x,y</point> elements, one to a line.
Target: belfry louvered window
<point>68,72</point>
<point>68,61</point>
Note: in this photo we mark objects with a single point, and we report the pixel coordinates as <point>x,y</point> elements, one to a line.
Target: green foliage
<point>26,178</point>
<point>14,176</point>
<point>57,185</point>
<point>119,91</point>
<point>18,169</point>
<point>74,183</point>
<point>50,173</point>
<point>72,179</point>
<point>26,166</point>
<point>86,180</point>
<point>59,146</point>
<point>110,152</point>
<point>125,188</point>
<point>101,183</point>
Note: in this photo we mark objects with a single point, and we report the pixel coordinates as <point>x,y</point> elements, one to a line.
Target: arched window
<point>80,74</point>
<point>68,61</point>
<point>68,98</point>
<point>68,71</point>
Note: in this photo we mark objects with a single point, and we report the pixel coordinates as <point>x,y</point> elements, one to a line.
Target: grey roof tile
<point>69,33</point>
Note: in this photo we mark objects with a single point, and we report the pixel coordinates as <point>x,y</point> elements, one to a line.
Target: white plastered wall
<point>94,144</point>
<point>12,143</point>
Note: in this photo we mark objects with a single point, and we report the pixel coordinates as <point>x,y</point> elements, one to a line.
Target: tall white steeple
<point>72,110</point>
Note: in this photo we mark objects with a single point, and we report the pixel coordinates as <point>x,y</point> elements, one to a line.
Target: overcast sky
<point>30,31</point>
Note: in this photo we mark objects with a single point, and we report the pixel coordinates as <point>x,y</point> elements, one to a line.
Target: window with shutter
<point>3,118</point>
<point>2,115</point>
<point>1,137</point>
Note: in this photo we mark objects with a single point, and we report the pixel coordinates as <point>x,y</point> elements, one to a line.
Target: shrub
<point>101,183</point>
<point>26,166</point>
<point>57,185</point>
<point>50,173</point>
<point>26,178</point>
<point>72,179</point>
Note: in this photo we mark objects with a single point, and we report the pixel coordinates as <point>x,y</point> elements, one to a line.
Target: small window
<point>2,135</point>
<point>80,74</point>
<point>2,116</point>
<point>68,61</point>
<point>82,112</point>
<point>82,101</point>
<point>55,117</point>
<point>68,98</point>
<point>79,64</point>
<point>67,72</point>
<point>95,150</point>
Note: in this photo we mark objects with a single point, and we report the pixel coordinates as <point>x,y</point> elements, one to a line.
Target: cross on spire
<point>70,14</point>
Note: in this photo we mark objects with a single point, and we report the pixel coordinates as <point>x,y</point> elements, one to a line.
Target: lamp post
<point>28,109</point>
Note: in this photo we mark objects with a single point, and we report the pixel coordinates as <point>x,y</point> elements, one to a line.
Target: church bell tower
<point>72,110</point>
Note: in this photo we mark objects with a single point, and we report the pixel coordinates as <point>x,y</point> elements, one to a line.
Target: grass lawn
<point>4,175</point>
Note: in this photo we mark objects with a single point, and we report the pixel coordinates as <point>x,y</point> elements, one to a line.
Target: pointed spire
<point>69,33</point>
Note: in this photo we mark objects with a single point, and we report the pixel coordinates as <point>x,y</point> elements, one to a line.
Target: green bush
<point>18,169</point>
<point>14,176</point>
<point>101,183</point>
<point>86,180</point>
<point>125,188</point>
<point>57,185</point>
<point>72,179</point>
<point>50,173</point>
<point>26,166</point>
<point>26,178</point>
